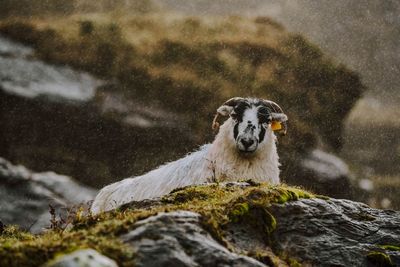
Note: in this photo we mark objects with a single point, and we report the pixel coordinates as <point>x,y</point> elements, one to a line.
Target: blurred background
<point>103,90</point>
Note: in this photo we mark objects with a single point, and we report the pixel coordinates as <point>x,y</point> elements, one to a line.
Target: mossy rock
<point>280,224</point>
<point>218,205</point>
<point>183,195</point>
<point>390,247</point>
<point>380,259</point>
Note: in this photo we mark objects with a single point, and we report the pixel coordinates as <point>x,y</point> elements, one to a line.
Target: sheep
<point>244,148</point>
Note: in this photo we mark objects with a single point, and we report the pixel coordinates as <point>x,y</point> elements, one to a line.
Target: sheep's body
<point>219,161</point>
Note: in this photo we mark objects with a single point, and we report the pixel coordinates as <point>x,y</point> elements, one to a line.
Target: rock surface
<point>25,196</point>
<point>178,239</point>
<point>240,224</point>
<point>83,258</point>
<point>22,75</point>
<point>335,232</point>
<point>313,232</point>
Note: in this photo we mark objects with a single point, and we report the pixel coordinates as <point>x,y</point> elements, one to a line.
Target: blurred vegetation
<point>27,8</point>
<point>191,65</point>
<point>35,7</point>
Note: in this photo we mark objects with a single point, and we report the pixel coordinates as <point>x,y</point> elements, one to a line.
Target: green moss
<point>269,221</point>
<point>379,259</point>
<point>12,232</point>
<point>293,263</point>
<point>251,207</point>
<point>184,195</point>
<point>290,261</point>
<point>255,215</point>
<point>262,197</point>
<point>390,247</point>
<point>238,211</point>
<point>39,249</point>
<point>266,257</point>
<point>218,204</point>
<point>322,197</point>
<point>284,195</point>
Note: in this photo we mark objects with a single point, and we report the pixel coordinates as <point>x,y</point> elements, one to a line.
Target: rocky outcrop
<point>313,232</point>
<point>178,239</point>
<point>234,224</point>
<point>337,233</point>
<point>25,196</point>
<point>82,258</point>
<point>22,75</point>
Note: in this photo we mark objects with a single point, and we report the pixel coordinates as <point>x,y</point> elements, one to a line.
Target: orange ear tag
<point>276,125</point>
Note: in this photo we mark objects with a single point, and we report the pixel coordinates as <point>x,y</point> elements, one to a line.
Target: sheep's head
<point>251,118</point>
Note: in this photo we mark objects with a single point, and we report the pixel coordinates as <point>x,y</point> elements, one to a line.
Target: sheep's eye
<point>264,118</point>
<point>264,115</point>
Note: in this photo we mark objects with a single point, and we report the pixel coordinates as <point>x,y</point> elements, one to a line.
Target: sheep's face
<point>250,125</point>
<point>251,120</point>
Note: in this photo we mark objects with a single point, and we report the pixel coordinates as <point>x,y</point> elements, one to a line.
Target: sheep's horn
<point>274,107</point>
<point>215,123</point>
<point>233,101</point>
<point>230,103</point>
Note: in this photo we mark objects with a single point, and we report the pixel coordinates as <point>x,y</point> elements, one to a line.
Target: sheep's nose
<point>247,143</point>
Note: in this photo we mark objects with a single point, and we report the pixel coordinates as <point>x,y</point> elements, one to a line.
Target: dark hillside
<point>190,65</point>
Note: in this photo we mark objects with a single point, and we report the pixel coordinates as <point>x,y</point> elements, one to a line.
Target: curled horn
<point>229,103</point>
<point>274,107</point>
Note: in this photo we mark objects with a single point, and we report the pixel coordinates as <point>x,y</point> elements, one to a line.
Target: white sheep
<point>244,148</point>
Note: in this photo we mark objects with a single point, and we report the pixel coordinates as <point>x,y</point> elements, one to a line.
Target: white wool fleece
<point>219,161</point>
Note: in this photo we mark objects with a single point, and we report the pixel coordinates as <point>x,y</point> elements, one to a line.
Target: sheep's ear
<point>224,110</point>
<point>279,122</point>
<point>279,117</point>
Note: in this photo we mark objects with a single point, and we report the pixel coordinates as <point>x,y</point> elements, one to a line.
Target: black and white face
<point>250,125</point>
<point>251,121</point>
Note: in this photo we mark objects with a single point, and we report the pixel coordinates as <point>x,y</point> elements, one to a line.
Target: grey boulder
<point>177,239</point>
<point>336,232</point>
<point>25,196</point>
<point>313,232</point>
<point>326,174</point>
